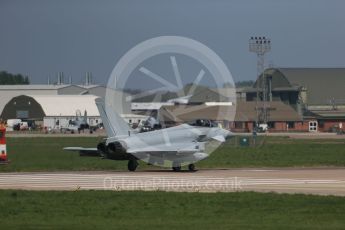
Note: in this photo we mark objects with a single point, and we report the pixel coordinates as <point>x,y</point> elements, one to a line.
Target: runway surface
<point>323,181</point>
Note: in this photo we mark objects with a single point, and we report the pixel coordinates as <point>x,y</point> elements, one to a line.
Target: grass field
<point>45,153</point>
<point>160,210</point>
<point>279,152</point>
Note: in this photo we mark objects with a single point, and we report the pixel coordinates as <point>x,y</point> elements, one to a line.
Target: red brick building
<point>281,117</point>
<point>238,118</point>
<point>316,94</point>
<point>298,100</point>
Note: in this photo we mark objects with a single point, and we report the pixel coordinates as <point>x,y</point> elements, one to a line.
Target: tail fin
<point>85,116</point>
<point>113,123</point>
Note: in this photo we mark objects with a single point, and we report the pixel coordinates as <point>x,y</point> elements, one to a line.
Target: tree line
<point>249,83</point>
<point>13,79</point>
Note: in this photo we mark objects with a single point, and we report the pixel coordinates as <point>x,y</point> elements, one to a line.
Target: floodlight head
<point>259,45</point>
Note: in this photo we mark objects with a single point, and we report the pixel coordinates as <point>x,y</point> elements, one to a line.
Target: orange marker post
<point>3,151</point>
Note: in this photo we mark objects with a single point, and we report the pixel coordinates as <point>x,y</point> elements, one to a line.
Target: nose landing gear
<point>176,168</point>
<point>191,168</point>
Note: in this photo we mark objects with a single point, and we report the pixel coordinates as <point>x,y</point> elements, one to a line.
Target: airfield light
<point>260,46</point>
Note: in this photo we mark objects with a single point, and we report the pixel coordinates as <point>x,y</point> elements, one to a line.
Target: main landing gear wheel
<point>191,167</point>
<point>132,165</point>
<point>177,168</point>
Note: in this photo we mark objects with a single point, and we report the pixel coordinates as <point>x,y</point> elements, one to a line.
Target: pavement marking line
<point>225,182</point>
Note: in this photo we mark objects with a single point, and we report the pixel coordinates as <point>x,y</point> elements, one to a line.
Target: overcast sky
<point>41,38</point>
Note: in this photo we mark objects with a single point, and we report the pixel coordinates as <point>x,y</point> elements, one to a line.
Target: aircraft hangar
<point>7,92</point>
<point>316,94</point>
<point>51,111</point>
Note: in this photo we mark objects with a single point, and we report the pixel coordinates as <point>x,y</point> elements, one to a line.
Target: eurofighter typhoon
<point>181,145</point>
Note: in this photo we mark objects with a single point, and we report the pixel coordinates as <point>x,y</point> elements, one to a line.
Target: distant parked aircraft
<point>77,125</point>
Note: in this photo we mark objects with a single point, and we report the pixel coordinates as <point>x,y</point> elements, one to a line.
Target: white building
<point>7,92</point>
<point>52,111</point>
<point>56,111</point>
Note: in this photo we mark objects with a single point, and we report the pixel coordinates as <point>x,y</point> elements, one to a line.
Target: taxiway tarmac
<point>321,181</point>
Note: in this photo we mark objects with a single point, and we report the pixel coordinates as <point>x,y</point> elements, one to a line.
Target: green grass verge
<point>279,152</point>
<point>161,210</point>
<point>45,153</point>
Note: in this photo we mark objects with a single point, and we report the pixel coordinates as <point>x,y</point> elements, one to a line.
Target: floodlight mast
<point>260,46</point>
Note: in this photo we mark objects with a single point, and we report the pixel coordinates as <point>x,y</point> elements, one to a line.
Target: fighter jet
<point>78,124</point>
<point>181,145</point>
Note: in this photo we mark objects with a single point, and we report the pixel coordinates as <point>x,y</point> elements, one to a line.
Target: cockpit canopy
<point>203,123</point>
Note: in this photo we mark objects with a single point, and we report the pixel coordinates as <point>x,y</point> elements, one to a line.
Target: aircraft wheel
<point>102,150</point>
<point>191,167</point>
<point>132,165</point>
<point>176,169</point>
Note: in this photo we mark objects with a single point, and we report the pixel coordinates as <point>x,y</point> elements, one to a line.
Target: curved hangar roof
<point>66,105</point>
<point>322,84</point>
<point>40,106</point>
